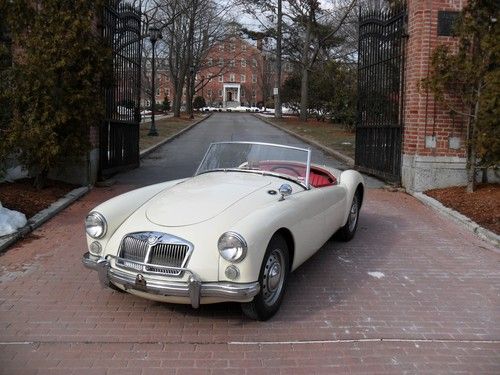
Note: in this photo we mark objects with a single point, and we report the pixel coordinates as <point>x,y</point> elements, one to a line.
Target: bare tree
<point>189,29</point>
<point>322,25</point>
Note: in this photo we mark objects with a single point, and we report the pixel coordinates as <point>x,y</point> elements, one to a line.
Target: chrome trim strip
<point>193,289</point>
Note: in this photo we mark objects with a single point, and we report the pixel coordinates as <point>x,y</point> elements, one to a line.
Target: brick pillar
<point>433,141</point>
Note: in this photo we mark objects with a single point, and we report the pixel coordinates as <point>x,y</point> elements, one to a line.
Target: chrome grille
<point>133,249</point>
<point>167,255</point>
<point>152,249</point>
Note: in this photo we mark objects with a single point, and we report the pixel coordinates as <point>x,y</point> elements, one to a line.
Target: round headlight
<point>232,247</point>
<point>95,225</point>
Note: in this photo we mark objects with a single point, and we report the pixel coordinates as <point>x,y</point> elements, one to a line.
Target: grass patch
<point>328,134</point>
<point>166,127</point>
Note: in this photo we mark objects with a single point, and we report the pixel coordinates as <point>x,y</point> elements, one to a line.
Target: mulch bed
<point>482,206</point>
<point>23,197</point>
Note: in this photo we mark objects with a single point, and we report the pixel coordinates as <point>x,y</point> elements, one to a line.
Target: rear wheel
<point>272,279</point>
<point>347,232</point>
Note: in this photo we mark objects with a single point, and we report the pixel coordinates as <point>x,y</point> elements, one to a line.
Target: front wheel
<point>272,279</point>
<point>347,232</point>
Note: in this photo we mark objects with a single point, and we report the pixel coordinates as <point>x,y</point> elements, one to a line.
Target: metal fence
<point>119,135</point>
<point>381,61</point>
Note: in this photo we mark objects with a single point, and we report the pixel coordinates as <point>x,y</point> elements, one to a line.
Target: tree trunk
<point>176,105</point>
<point>40,179</point>
<point>471,157</point>
<point>305,67</point>
<point>277,98</point>
<point>303,94</point>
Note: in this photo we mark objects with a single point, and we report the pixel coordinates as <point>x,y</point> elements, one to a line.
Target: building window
<point>254,94</point>
<point>158,91</point>
<point>220,93</point>
<point>221,62</point>
<point>254,78</point>
<point>232,47</point>
<point>221,78</point>
<point>210,62</point>
<point>243,78</point>
<point>167,92</point>
<point>254,63</point>
<point>243,47</point>
<point>242,92</point>
<point>231,77</point>
<point>243,63</point>
<point>209,76</point>
<point>231,63</point>
<point>209,93</point>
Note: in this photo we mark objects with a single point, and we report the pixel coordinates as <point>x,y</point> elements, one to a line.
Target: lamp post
<point>154,35</point>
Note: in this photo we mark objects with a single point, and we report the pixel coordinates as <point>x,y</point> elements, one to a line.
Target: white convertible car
<point>251,214</point>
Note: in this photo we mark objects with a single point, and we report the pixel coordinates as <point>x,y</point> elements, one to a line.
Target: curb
<point>149,150</point>
<point>344,158</point>
<point>43,216</point>
<point>470,225</point>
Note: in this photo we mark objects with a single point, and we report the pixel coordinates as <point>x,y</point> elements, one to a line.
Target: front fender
<point>295,213</point>
<point>351,179</point>
<point>117,209</point>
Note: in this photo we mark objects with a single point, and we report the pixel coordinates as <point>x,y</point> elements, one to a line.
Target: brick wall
<point>423,116</point>
<point>431,133</point>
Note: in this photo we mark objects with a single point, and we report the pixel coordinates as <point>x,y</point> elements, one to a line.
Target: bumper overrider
<point>193,289</point>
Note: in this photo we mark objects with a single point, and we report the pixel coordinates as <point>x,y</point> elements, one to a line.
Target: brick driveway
<point>431,303</point>
<point>413,292</point>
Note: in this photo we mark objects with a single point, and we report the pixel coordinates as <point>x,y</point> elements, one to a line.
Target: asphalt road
<point>181,157</point>
<point>412,293</point>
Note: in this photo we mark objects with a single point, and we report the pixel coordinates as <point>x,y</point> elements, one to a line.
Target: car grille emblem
<point>153,239</point>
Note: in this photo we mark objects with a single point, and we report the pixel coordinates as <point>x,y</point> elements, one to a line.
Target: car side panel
<point>335,203</point>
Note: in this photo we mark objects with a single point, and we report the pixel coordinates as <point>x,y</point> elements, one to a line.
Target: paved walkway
<point>413,292</point>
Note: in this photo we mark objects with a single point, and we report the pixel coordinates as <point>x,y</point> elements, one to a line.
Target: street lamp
<point>154,35</point>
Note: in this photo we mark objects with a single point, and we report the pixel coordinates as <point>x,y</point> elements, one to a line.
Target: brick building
<point>235,72</point>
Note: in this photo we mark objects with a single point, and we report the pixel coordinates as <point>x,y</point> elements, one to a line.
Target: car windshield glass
<point>290,162</point>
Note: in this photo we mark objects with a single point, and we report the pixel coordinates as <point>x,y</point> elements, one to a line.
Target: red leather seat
<point>318,180</point>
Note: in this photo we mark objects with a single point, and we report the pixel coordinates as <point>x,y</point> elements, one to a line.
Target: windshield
<point>290,162</point>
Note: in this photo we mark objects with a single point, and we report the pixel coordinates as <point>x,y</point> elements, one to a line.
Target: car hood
<point>202,198</point>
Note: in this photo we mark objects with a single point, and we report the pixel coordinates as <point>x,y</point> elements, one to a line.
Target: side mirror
<point>285,190</point>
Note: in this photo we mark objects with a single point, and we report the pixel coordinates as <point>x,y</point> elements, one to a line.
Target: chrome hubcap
<point>273,277</point>
<point>353,214</point>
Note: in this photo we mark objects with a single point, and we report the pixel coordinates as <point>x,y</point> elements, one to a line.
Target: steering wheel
<point>272,169</point>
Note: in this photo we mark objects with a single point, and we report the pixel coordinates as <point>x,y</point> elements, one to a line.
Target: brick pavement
<point>413,292</point>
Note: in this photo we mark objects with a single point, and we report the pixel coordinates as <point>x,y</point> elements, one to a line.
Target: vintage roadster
<point>251,214</point>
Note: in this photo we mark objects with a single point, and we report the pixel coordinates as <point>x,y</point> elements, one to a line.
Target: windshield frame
<point>308,161</point>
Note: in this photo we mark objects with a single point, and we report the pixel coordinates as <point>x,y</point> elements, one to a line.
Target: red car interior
<point>318,177</point>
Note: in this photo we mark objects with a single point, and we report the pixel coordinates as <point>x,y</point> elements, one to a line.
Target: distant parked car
<point>251,214</point>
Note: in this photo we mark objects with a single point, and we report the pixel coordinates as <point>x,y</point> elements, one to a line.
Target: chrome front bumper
<point>193,289</point>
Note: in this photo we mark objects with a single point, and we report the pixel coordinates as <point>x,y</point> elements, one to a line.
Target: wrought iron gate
<point>381,61</point>
<point>119,134</point>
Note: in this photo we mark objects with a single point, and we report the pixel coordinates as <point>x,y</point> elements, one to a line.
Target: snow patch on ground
<point>344,259</point>
<point>376,274</point>
<point>10,221</point>
<point>14,173</point>
<point>10,275</point>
